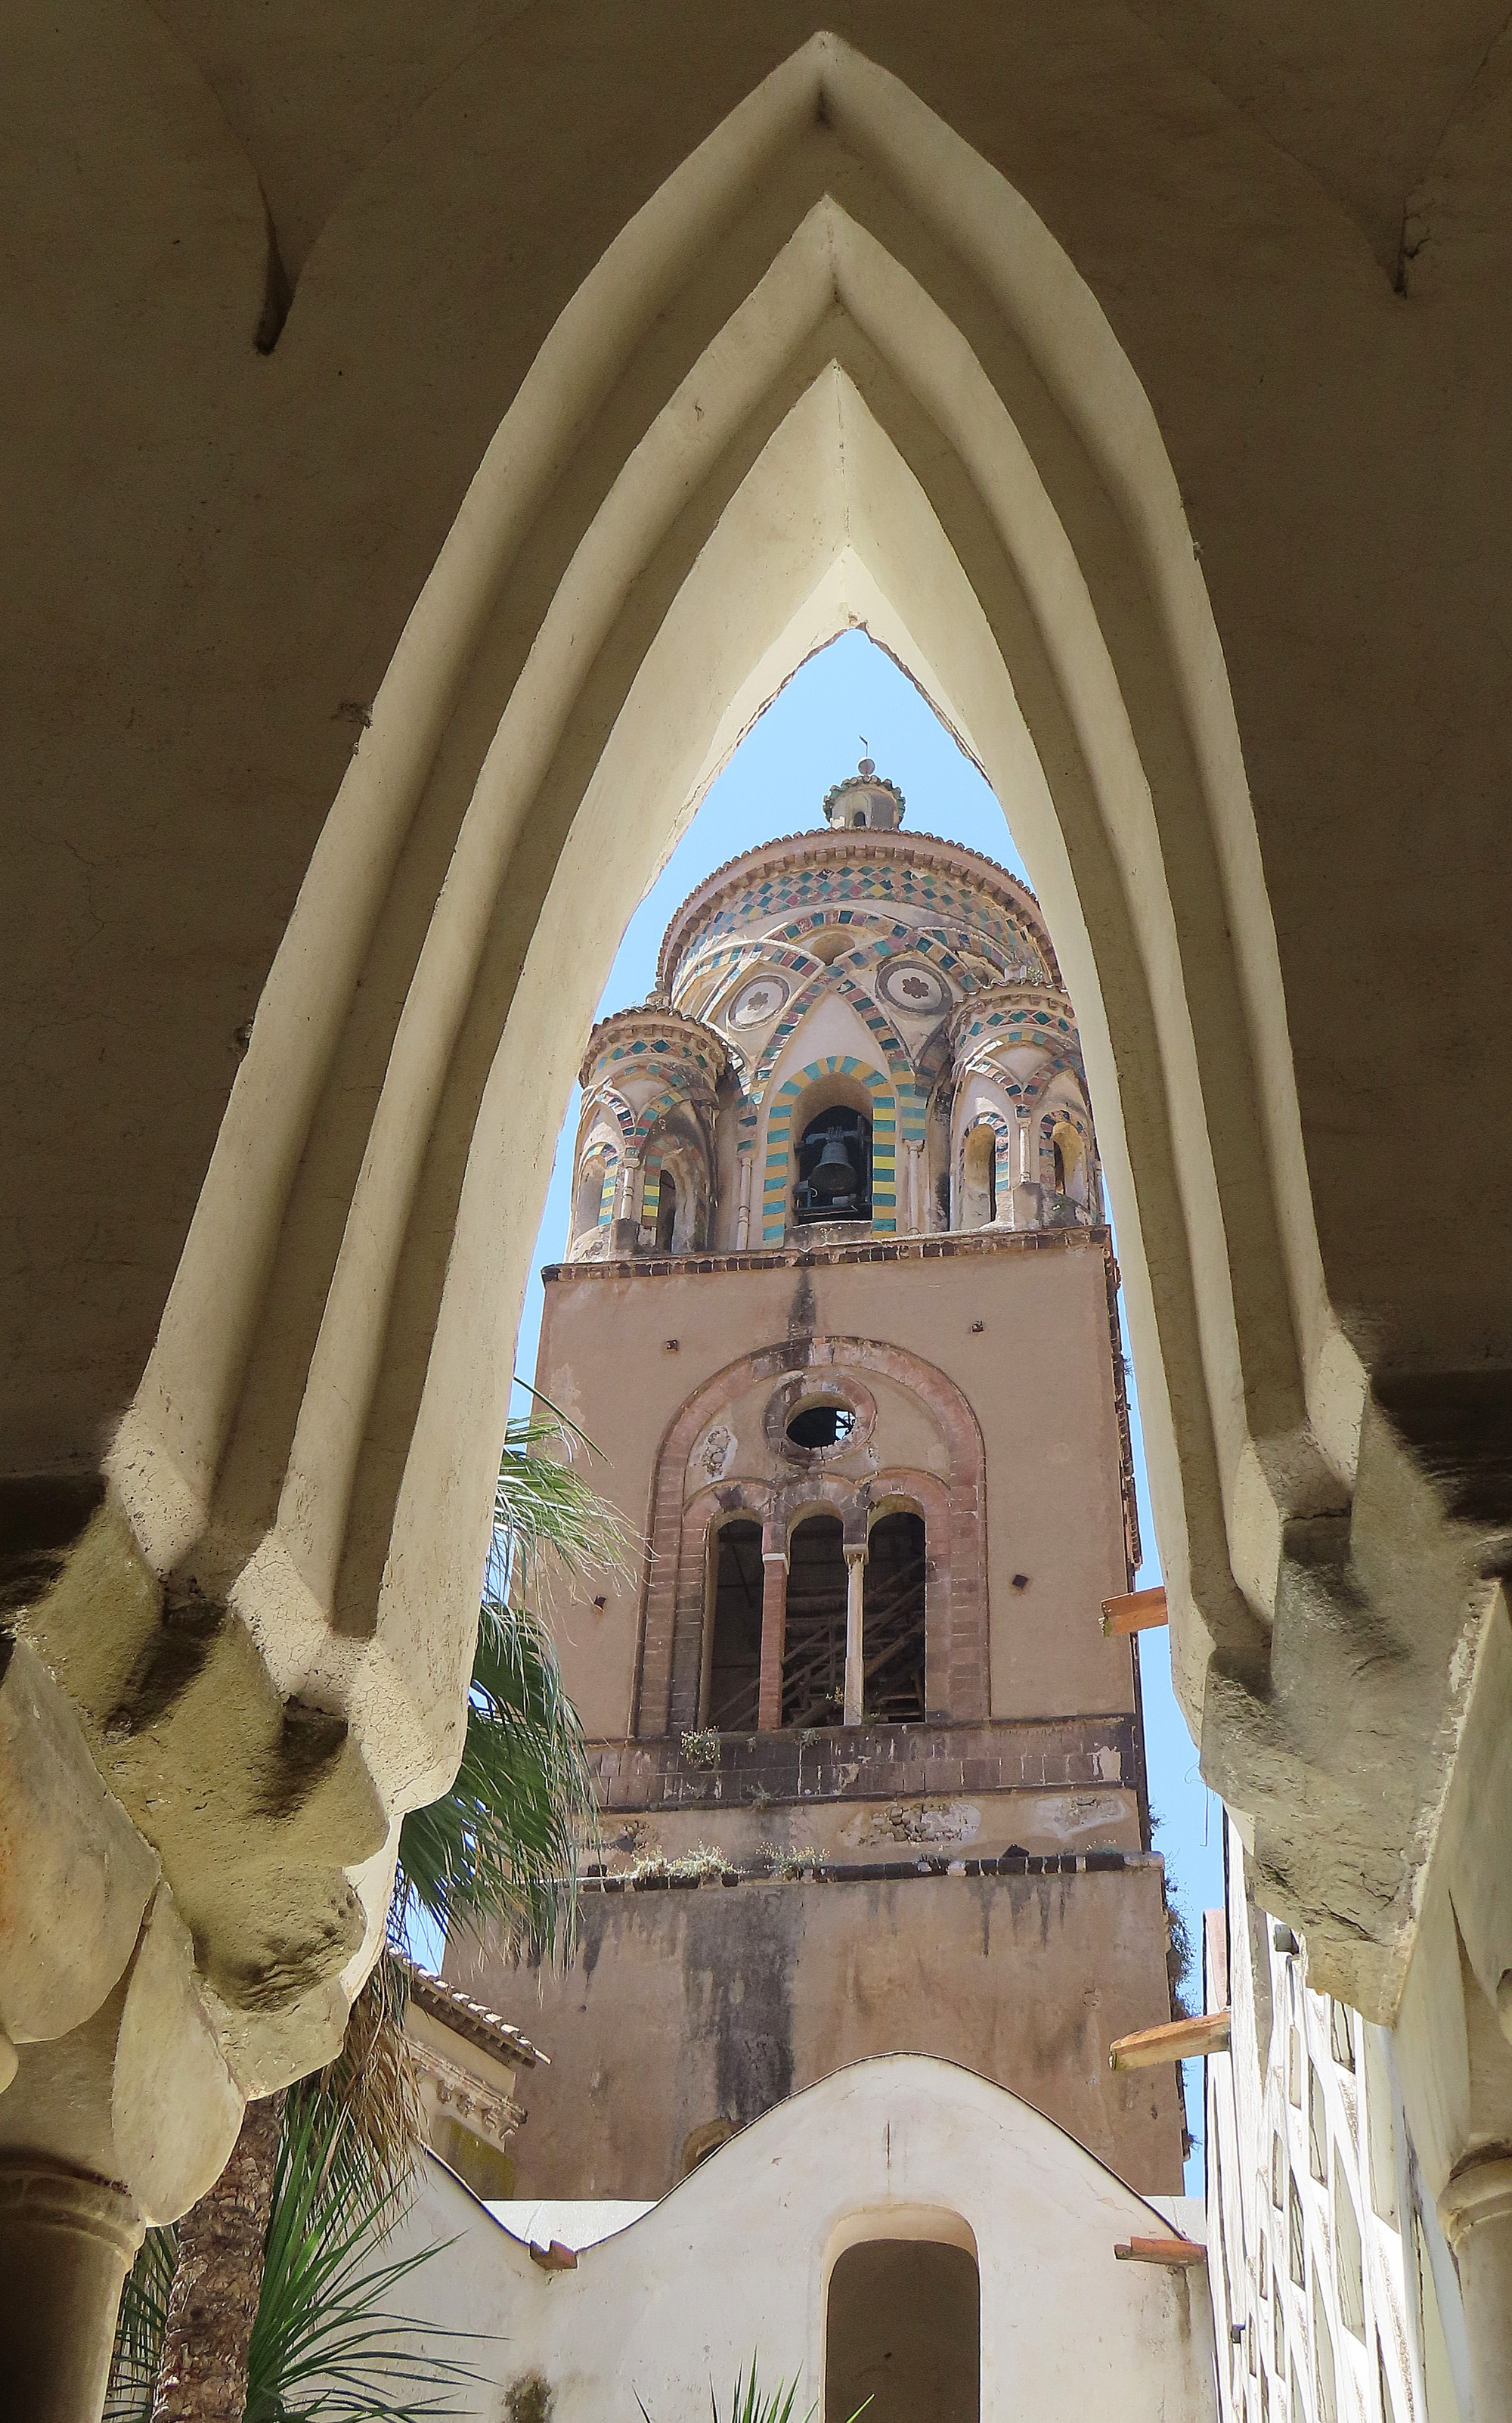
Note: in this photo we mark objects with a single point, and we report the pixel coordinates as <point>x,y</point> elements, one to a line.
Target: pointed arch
<point>886,337</point>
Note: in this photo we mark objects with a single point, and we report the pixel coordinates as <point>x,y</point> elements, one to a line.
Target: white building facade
<point>1335,2293</point>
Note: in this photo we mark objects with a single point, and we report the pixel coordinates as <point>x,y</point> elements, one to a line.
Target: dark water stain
<point>741,1975</point>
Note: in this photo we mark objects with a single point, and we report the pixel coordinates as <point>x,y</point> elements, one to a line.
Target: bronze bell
<point>834,1173</point>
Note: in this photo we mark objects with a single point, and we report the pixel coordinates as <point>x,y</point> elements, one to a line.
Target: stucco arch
<point>884,395</point>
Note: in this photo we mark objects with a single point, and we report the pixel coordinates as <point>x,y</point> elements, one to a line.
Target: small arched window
<point>835,1166</point>
<point>665,1212</point>
<point>1069,1156</point>
<point>591,1186</point>
<point>979,1179</point>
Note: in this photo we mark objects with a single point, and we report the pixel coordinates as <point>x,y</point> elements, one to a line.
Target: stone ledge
<point>842,1872</point>
<point>870,1763</point>
<point>944,1247</point>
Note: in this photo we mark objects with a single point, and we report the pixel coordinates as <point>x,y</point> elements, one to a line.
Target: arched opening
<point>822,1425</point>
<point>591,1186</point>
<point>1069,1159</point>
<point>813,1655</point>
<point>979,1179</point>
<point>330,1377</point>
<point>735,1650</point>
<point>904,2330</point>
<point>665,1212</point>
<point>835,1166</point>
<point>893,1620</point>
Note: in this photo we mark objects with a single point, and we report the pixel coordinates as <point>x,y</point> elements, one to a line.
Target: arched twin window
<point>893,1598</point>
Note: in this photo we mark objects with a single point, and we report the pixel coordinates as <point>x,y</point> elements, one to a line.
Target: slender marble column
<point>855,1659</point>
<point>65,2241</point>
<point>1476,2212</point>
<point>774,1631</point>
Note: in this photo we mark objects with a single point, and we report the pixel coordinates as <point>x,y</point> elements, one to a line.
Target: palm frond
<point>502,1845</point>
<point>327,2347</point>
<point>374,2080</point>
<point>545,1507</point>
<point>139,2326</point>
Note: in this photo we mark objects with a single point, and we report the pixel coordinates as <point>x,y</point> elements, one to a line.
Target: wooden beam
<point>1182,2254</point>
<point>555,2257</point>
<point>1178,2040</point>
<point>1142,1612</point>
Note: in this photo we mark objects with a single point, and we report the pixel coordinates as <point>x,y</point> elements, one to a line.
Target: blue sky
<point>809,738</point>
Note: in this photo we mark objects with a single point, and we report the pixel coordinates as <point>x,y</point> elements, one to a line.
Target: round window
<point>815,1426</point>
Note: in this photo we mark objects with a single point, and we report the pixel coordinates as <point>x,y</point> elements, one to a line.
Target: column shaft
<point>65,2241</point>
<point>773,1638</point>
<point>1476,2212</point>
<point>854,1658</point>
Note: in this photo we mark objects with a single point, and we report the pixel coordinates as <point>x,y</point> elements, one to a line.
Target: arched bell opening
<point>979,1178</point>
<point>834,1158</point>
<point>666,1228</point>
<point>593,1202</point>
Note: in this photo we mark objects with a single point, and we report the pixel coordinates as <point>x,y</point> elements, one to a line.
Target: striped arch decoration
<point>603,1152</point>
<point>606,1099</point>
<point>1069,1114</point>
<point>888,1041</point>
<point>715,968</point>
<point>779,1144</point>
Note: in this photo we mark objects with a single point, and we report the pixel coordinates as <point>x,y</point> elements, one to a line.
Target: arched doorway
<point>904,2330</point>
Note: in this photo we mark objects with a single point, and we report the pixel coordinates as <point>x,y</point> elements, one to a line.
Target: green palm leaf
<point>326,2345</point>
<point>501,1848</point>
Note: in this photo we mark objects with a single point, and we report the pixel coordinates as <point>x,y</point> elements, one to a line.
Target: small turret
<point>866,799</point>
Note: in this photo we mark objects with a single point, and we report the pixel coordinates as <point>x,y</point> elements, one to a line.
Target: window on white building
<point>1340,2040</point>
<point>1323,2371</point>
<point>1349,2255</point>
<point>1388,2404</point>
<point>1296,2234</point>
<point>1380,2131</point>
<point>1317,2127</point>
<point>1294,2065</point>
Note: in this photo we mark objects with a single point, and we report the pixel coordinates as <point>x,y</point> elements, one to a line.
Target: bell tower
<point>839,1305</point>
